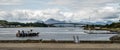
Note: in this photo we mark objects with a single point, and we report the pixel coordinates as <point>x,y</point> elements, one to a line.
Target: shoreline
<point>58,45</point>
<point>54,41</point>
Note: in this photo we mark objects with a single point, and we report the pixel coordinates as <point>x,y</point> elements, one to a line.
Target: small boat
<point>27,34</point>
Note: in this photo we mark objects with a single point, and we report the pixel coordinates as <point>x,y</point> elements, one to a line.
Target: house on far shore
<point>9,26</point>
<point>1,26</point>
<point>12,26</point>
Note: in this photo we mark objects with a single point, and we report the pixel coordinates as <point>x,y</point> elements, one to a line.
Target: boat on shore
<point>26,34</point>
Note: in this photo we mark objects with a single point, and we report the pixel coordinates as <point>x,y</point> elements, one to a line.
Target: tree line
<point>113,25</point>
<point>35,24</point>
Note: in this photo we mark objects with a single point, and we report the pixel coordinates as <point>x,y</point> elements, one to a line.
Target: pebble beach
<point>58,46</point>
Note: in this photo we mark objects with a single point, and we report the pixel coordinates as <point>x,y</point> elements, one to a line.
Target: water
<point>57,33</point>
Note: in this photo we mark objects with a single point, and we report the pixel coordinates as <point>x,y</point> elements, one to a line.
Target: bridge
<point>68,24</point>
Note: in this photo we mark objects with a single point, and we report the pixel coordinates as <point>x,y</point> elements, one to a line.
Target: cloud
<point>102,14</point>
<point>10,2</point>
<point>30,15</point>
<point>61,2</point>
<point>80,4</point>
<point>67,2</point>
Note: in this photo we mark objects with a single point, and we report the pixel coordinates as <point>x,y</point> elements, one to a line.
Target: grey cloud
<point>81,4</point>
<point>98,15</point>
<point>10,2</point>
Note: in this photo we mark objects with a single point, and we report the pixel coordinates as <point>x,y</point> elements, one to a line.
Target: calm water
<point>58,33</point>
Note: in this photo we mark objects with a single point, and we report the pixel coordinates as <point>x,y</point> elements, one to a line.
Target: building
<point>1,26</point>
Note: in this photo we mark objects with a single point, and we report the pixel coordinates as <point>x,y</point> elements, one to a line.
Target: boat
<point>26,34</point>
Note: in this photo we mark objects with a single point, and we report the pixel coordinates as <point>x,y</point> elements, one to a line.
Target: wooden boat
<point>27,34</point>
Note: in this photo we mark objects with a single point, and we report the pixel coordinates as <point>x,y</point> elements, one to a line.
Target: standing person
<point>18,33</point>
<point>23,33</point>
<point>28,34</point>
<point>31,30</point>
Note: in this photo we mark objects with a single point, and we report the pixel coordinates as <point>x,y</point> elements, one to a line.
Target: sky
<point>63,10</point>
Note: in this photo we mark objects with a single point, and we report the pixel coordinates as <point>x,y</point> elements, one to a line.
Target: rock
<point>115,38</point>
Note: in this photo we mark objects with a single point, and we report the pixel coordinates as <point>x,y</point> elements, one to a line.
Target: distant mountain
<point>86,22</point>
<point>39,21</point>
<point>99,23</point>
<point>103,23</point>
<point>52,21</point>
<point>95,23</point>
<point>109,22</point>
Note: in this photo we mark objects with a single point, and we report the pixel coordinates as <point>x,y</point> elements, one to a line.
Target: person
<point>19,31</point>
<point>18,34</point>
<point>28,32</point>
<point>23,32</point>
<point>31,30</point>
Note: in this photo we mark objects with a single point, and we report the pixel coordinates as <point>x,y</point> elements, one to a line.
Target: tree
<point>3,22</point>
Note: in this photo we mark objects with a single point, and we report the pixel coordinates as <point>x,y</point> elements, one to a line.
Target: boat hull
<point>26,34</point>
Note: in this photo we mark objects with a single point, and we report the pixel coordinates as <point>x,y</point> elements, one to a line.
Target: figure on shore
<point>23,32</point>
<point>19,31</point>
<point>18,34</point>
<point>31,30</point>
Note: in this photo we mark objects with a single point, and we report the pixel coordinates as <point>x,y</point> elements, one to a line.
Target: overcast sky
<point>63,10</point>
